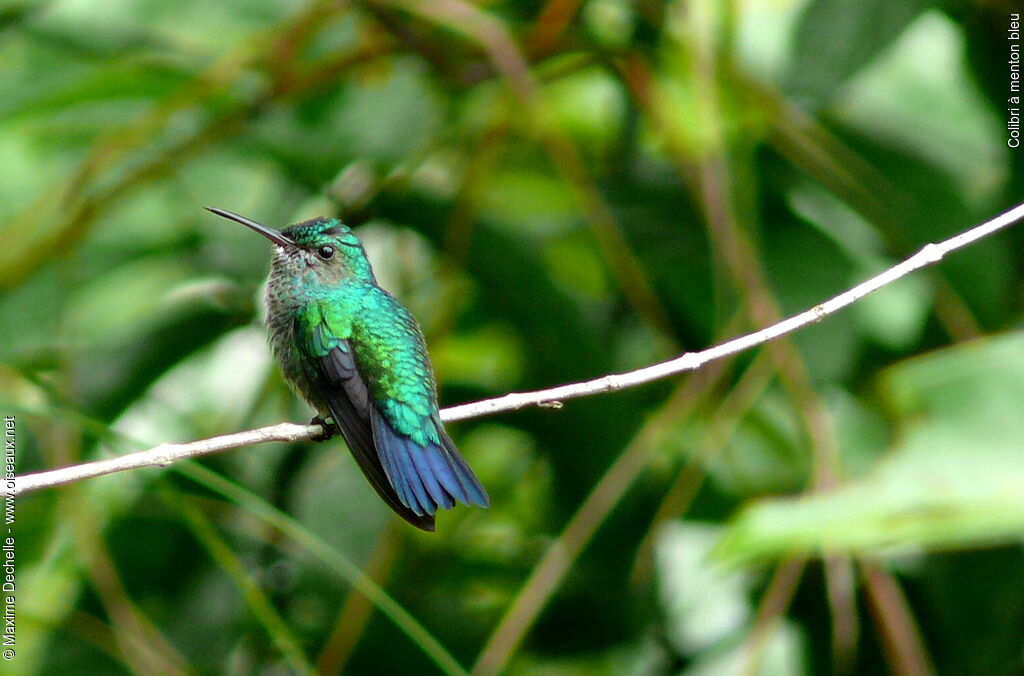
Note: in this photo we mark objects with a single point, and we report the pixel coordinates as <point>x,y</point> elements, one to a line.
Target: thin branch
<point>774,603</point>
<point>902,640</point>
<point>165,454</point>
<point>160,456</point>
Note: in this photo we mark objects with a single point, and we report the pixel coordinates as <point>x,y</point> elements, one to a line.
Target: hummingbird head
<point>321,251</point>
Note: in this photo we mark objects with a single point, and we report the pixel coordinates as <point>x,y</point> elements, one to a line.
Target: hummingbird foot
<point>330,429</point>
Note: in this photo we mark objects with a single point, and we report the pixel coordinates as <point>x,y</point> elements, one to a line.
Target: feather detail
<point>414,473</point>
<point>356,355</point>
<point>344,392</point>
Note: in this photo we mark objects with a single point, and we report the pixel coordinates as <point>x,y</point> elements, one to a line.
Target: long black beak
<point>273,235</point>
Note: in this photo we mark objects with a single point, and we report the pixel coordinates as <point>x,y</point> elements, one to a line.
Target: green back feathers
<point>388,348</point>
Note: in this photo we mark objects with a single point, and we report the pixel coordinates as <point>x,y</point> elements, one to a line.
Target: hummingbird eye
<point>325,252</point>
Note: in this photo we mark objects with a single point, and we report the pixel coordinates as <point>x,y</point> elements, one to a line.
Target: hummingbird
<point>358,357</point>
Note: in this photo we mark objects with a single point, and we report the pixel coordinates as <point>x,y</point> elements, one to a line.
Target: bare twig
<point>160,456</point>
<point>165,454</point>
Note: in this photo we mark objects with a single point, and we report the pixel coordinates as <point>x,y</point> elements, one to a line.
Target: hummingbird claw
<point>330,429</point>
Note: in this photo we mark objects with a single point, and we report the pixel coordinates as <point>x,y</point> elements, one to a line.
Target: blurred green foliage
<point>558,190</point>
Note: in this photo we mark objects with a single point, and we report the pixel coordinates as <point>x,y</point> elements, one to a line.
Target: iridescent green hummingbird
<point>358,357</point>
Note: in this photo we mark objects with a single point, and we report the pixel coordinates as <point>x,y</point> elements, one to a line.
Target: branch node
<point>933,253</point>
<point>163,455</point>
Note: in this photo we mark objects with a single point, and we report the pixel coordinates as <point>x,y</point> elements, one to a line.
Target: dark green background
<point>558,190</point>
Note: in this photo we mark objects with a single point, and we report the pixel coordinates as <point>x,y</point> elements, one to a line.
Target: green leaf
<point>951,479</point>
<point>836,39</point>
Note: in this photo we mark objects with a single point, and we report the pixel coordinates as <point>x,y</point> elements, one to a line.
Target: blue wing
<point>344,392</point>
<point>413,479</point>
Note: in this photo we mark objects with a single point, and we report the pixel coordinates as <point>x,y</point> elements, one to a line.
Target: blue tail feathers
<point>425,477</point>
